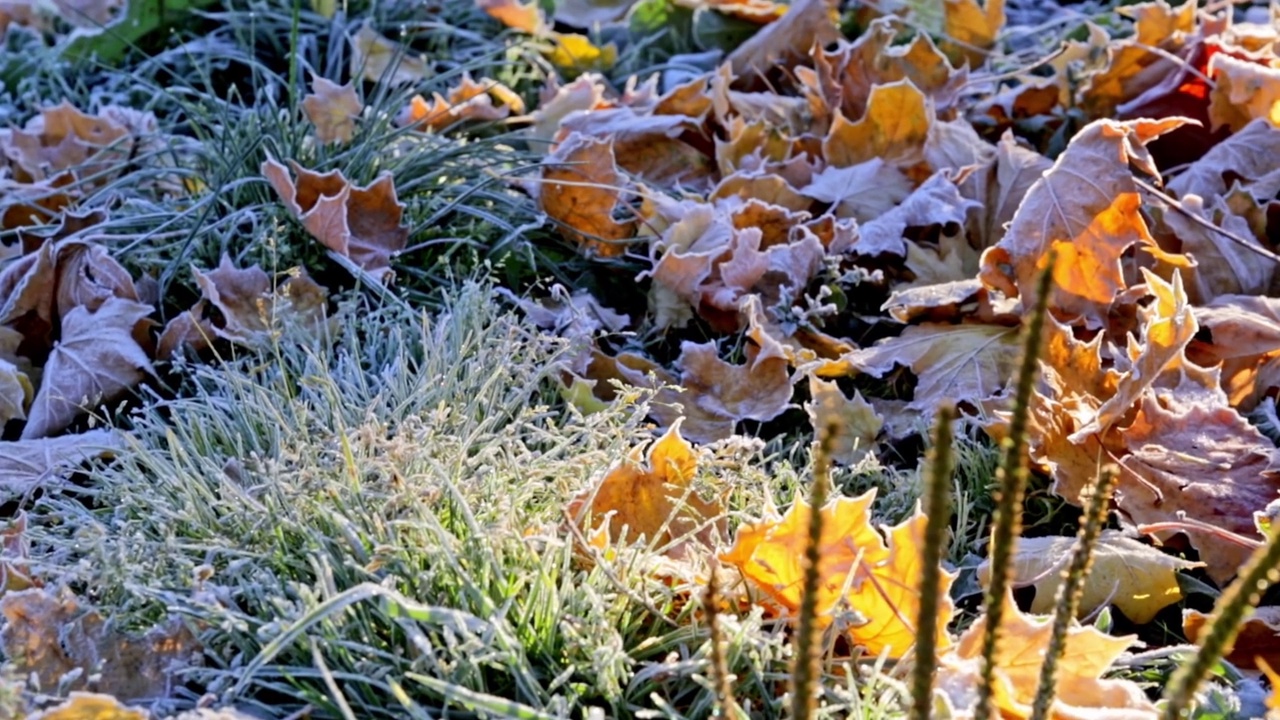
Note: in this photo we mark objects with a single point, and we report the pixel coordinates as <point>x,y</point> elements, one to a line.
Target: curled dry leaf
<point>936,202</point>
<point>580,191</point>
<point>1246,155</point>
<point>1243,337</point>
<point>1243,92</point>
<point>46,462</point>
<point>333,109</point>
<point>1020,649</point>
<point>254,308</point>
<point>468,100</point>
<point>758,390</point>
<point>881,570</point>
<point>96,361</point>
<point>1086,211</point>
<point>855,422</point>
<point>953,363</point>
<point>49,635</point>
<point>1137,578</point>
<point>360,223</point>
<point>806,24</point>
<point>90,706</point>
<point>377,59</point>
<point>654,499</point>
<point>64,138</point>
<point>1257,643</point>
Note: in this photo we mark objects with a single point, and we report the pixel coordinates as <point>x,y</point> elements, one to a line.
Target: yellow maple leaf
<point>575,54</point>
<point>1273,700</point>
<point>878,579</point>
<point>653,498</point>
<point>893,129</point>
<point>1020,651</point>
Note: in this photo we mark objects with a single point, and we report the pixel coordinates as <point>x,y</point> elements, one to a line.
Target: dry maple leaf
<point>953,363</point>
<point>855,420</point>
<point>468,100</point>
<point>655,500</point>
<point>1086,211</point>
<point>1223,266</point>
<point>1243,335</point>
<point>524,16</point>
<point>64,138</point>
<point>880,571</point>
<point>1246,155</point>
<point>360,223</point>
<point>970,29</point>
<point>96,361</point>
<point>1198,461</point>
<point>50,635</point>
<point>1243,92</point>
<point>1137,578</point>
<point>1081,693</point>
<point>333,109</point>
<point>580,191</point>
<point>758,390</point>
<point>254,308</point>
<point>894,128</point>
<point>806,24</point>
<point>936,202</point>
<point>1257,643</point>
<point>377,59</point>
<point>90,706</point>
<point>1133,66</point>
<point>46,462</point>
<point>1273,700</point>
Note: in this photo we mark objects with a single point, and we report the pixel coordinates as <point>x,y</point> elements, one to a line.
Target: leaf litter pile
<point>812,216</point>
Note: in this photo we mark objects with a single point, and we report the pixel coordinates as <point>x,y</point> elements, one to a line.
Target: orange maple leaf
<point>653,499</point>
<point>878,579</point>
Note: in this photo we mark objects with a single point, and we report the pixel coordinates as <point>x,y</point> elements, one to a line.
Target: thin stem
<point>1067,604</point>
<point>937,510</point>
<point>807,660</point>
<point>728,705</point>
<point>1011,479</point>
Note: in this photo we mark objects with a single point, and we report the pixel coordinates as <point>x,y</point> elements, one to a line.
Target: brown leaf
<point>936,202</point>
<point>1205,461</point>
<point>189,331</point>
<point>807,23</point>
<point>1258,638</point>
<point>1246,155</point>
<point>1013,172</point>
<point>333,109</point>
<point>654,500</point>
<point>63,138</point>
<point>894,128</point>
<point>51,635</point>
<point>1086,210</point>
<point>854,421</point>
<point>581,190</point>
<point>758,390</point>
<point>1133,67</point>
<point>254,309</point>
<point>1243,92</point>
<point>1243,336</point>
<point>377,59</point>
<point>360,223</point>
<point>1223,265</point>
<point>863,191</point>
<point>29,464</point>
<point>953,363</point>
<point>96,361</point>
<point>468,100</point>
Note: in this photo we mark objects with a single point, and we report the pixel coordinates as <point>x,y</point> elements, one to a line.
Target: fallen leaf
<point>29,464</point>
<point>360,223</point>
<point>333,109</point>
<point>854,421</point>
<point>1222,266</point>
<point>188,331</point>
<point>1138,579</point>
<point>523,16</point>
<point>96,361</point>
<point>1257,642</point>
<point>863,191</point>
<point>580,191</point>
<point>64,138</point>
<point>50,635</point>
<point>881,571</point>
<point>574,54</point>
<point>1243,335</point>
<point>468,100</point>
<point>781,43</point>
<point>1245,155</point>
<point>1086,210</point>
<point>255,309</point>
<point>1020,649</point>
<point>1133,67</point>
<point>1243,92</point>
<point>15,392</point>
<point>894,128</point>
<point>377,59</point>
<point>970,29</point>
<point>952,363</point>
<point>654,500</point>
<point>90,706</point>
<point>759,389</point>
<point>936,202</point>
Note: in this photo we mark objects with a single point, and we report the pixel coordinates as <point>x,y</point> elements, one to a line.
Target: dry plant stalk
<point>728,705</point>
<point>1097,499</point>
<point>808,661</point>
<point>1011,478</point>
<point>937,507</point>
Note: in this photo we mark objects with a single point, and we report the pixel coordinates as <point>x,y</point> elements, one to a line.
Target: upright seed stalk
<point>1097,503</point>
<point>1011,480</point>
<point>937,510</point>
<point>808,660</point>
<point>728,705</point>
<point>1259,572</point>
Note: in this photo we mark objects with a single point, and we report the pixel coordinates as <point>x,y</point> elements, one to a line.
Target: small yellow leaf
<point>574,54</point>
<point>377,59</point>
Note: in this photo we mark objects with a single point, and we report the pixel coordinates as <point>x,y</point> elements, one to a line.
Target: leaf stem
<point>937,510</point>
<point>807,658</point>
